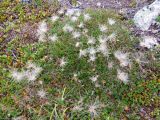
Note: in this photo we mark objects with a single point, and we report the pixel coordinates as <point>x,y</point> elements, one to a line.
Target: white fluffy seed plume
<point>123,76</point>
<point>123,58</point>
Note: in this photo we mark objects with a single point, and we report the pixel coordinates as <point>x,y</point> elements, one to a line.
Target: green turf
<point>64,90</point>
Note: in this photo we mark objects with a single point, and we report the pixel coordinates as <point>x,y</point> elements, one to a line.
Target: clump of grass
<point>158,19</point>
<point>89,64</point>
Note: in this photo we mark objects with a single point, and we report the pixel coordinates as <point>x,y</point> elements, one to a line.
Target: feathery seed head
<point>92,51</point>
<point>103,39</point>
<point>63,62</point>
<point>18,76</point>
<point>67,28</point>
<point>54,18</point>
<point>61,11</point>
<point>81,25</point>
<point>41,93</point>
<point>74,19</point>
<point>122,76</point>
<point>91,40</point>
<point>77,108</point>
<point>82,53</point>
<point>53,38</point>
<point>103,28</point>
<point>87,17</point>
<point>94,78</point>
<point>111,21</point>
<point>76,34</point>
<point>123,58</point>
<point>103,49</point>
<point>112,36</point>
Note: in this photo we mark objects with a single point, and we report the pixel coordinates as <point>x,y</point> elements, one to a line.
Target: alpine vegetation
<point>76,34</point>
<point>112,37</point>
<point>91,40</point>
<point>41,31</point>
<point>77,108</point>
<point>61,11</point>
<point>54,18</point>
<point>53,38</point>
<point>111,21</point>
<point>103,39</point>
<point>41,93</point>
<point>94,109</point>
<point>123,58</point>
<point>77,44</point>
<point>70,12</point>
<point>82,52</point>
<point>74,18</point>
<point>63,62</point>
<point>122,76</point>
<point>94,78</point>
<point>92,54</point>
<point>103,28</point>
<point>103,49</point>
<point>68,28</point>
<point>81,25</point>
<point>87,17</point>
<point>31,73</point>
<point>82,57</point>
<point>18,76</point>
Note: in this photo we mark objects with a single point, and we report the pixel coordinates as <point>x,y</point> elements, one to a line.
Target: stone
<point>145,16</point>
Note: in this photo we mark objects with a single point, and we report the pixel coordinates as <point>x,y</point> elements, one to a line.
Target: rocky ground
<point>127,8</point>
